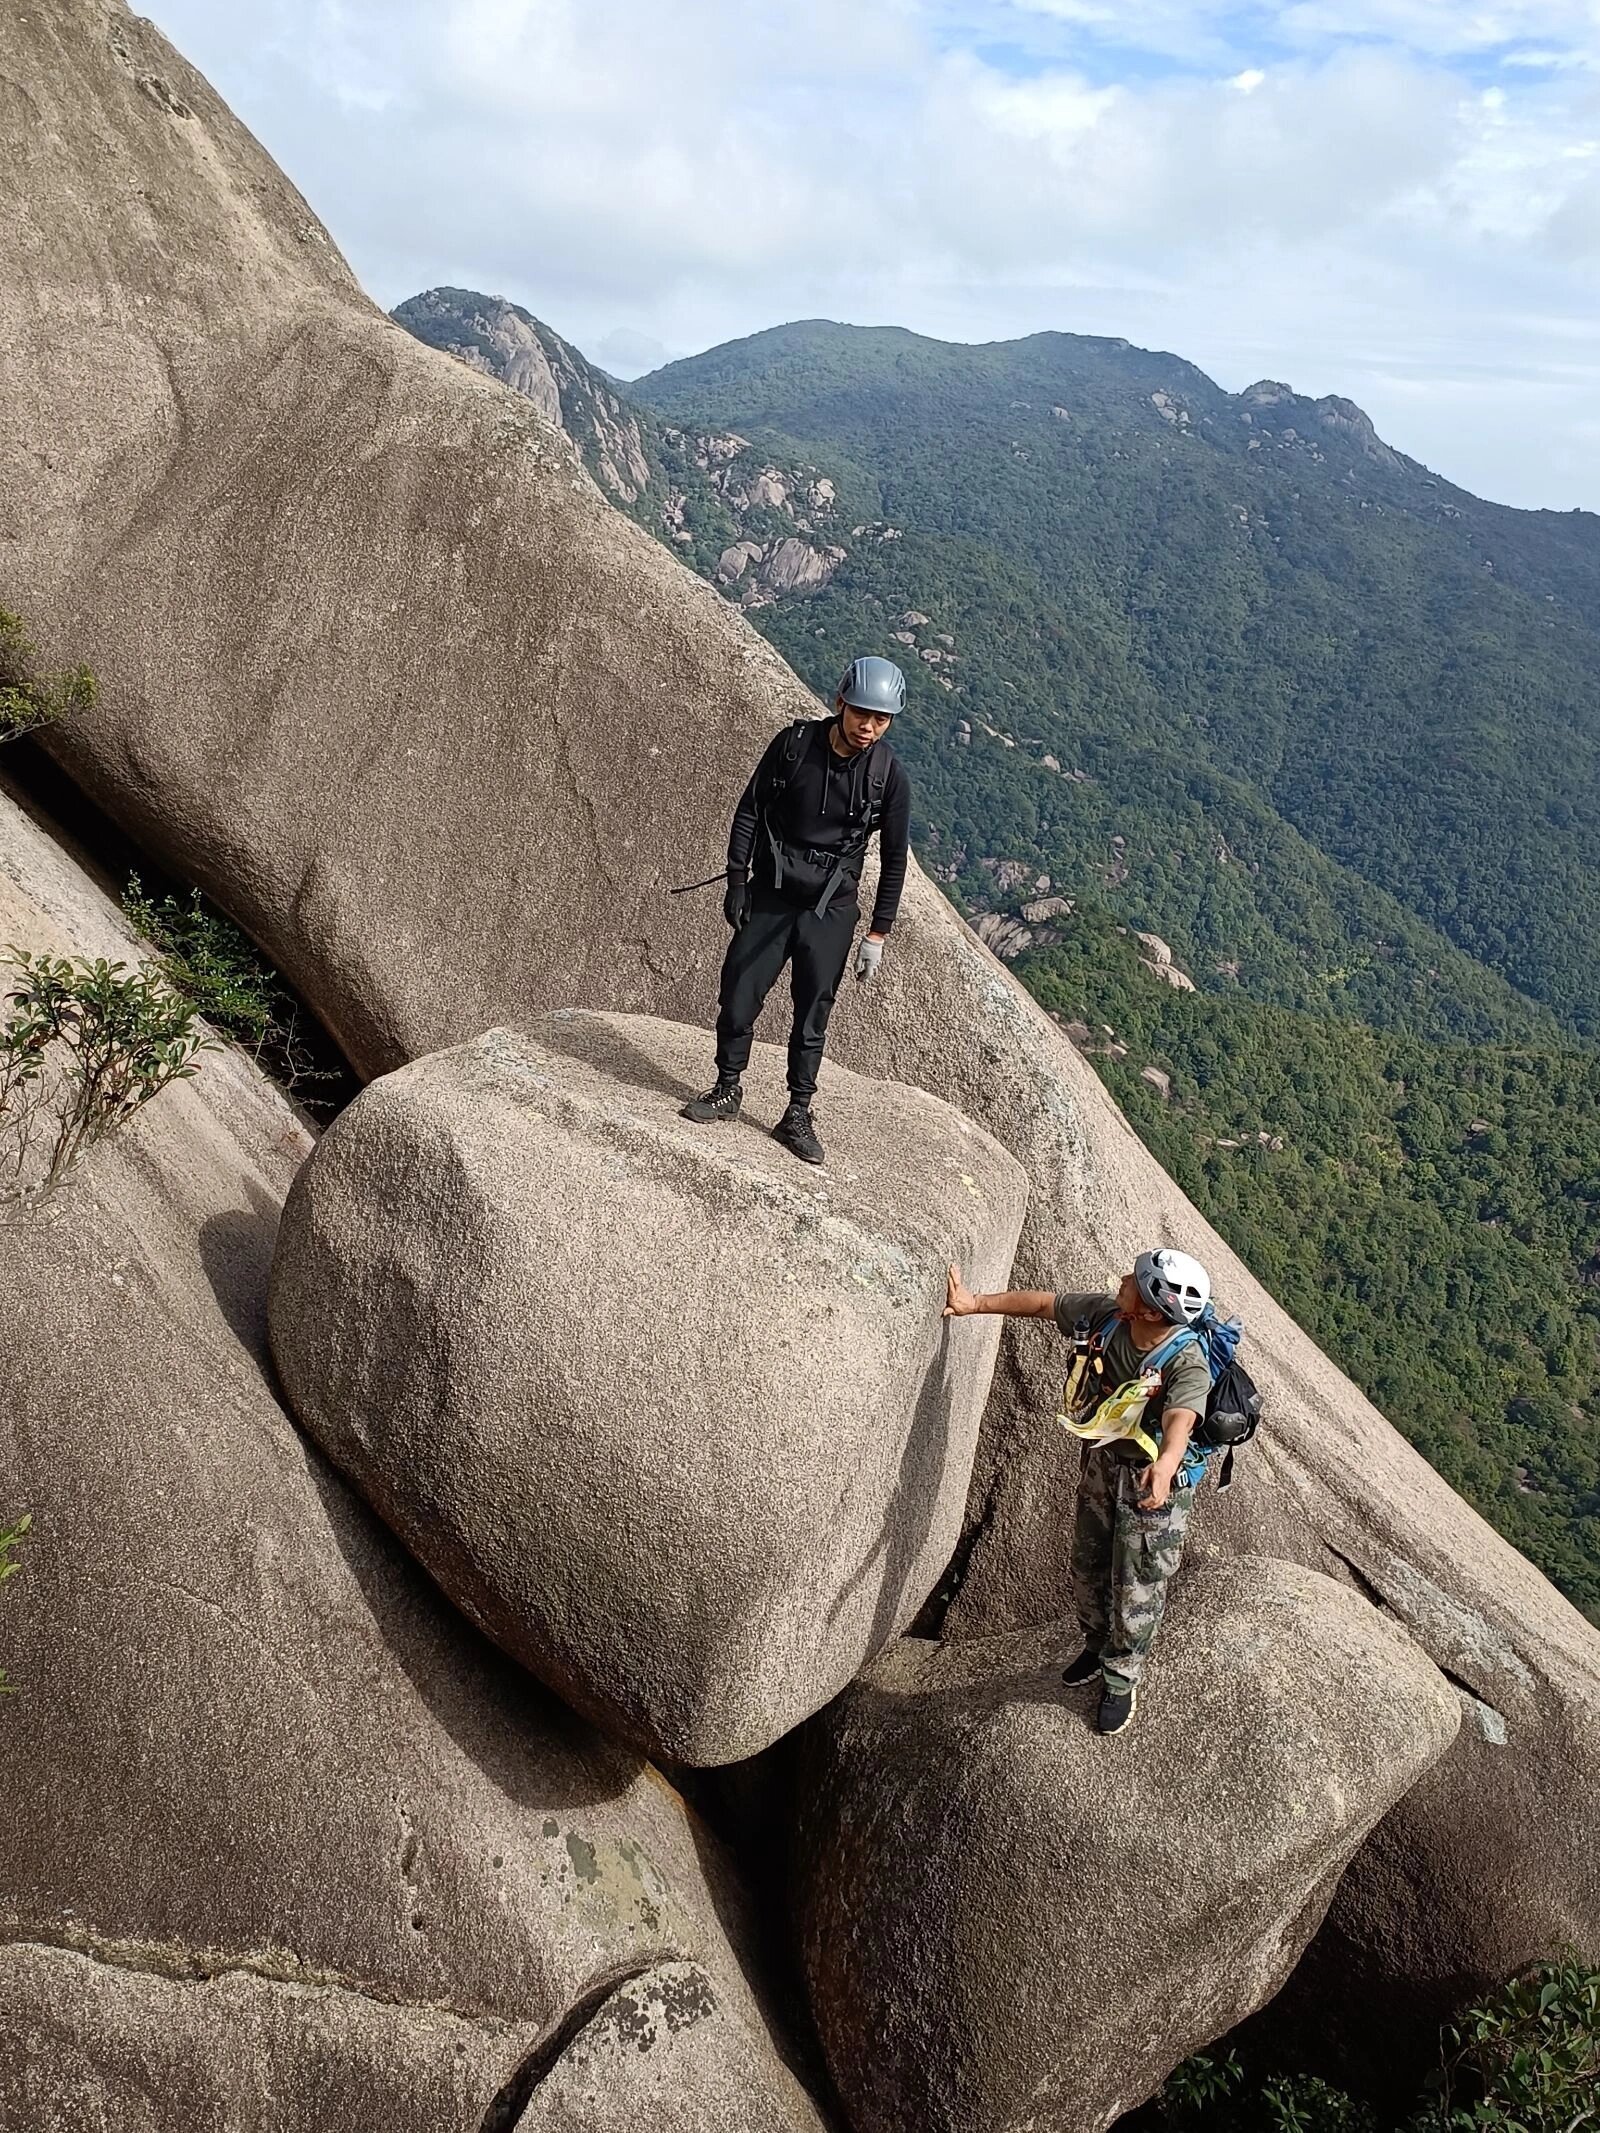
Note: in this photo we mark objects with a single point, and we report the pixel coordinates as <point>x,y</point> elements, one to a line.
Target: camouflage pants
<point>1122,1563</point>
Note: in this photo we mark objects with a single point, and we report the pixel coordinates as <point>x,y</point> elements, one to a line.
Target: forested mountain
<point>1236,614</point>
<point>1227,670</point>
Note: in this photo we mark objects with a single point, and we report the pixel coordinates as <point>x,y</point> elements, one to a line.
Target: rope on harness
<point>689,886</point>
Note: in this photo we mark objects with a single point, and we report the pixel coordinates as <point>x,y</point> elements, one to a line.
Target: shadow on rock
<point>538,1752</point>
<point>236,1253</point>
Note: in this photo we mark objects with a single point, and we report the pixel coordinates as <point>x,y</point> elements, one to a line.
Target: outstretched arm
<point>960,1302</point>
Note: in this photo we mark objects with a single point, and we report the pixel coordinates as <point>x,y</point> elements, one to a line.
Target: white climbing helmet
<point>1173,1284</point>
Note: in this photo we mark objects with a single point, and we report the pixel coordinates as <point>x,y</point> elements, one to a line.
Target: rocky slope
<point>506,342</point>
<point>945,1766</point>
<point>289,1842</point>
<point>761,531</point>
<point>284,534</point>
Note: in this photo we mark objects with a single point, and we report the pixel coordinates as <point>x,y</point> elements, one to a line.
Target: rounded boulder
<point>1008,1920</point>
<point>673,1416</point>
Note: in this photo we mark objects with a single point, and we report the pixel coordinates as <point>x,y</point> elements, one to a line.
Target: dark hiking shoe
<point>1116,1712</point>
<point>795,1132</point>
<point>1086,1667</point>
<point>721,1102</point>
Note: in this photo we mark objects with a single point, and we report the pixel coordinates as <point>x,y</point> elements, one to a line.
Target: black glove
<point>736,900</point>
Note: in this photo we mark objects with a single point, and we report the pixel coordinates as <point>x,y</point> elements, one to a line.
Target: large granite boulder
<point>213,497</point>
<point>1009,1920</point>
<point>673,1416</point>
<point>287,1842</point>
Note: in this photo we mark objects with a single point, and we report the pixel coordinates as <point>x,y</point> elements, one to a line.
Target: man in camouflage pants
<point>1133,1512</point>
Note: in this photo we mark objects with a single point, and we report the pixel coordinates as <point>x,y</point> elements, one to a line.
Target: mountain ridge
<point>1052,776</point>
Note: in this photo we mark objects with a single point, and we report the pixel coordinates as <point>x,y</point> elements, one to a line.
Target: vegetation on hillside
<point>1191,595</point>
<point>1428,1210</point>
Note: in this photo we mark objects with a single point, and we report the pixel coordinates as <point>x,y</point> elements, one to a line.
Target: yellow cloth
<point>1119,1416</point>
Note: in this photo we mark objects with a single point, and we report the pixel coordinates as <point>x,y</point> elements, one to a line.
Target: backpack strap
<point>1168,1351</point>
<point>775,782</point>
<point>880,768</point>
<point>772,788</point>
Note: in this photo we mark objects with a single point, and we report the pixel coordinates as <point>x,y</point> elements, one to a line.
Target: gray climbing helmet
<point>873,684</point>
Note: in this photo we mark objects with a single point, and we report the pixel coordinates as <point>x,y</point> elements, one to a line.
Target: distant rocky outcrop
<point>1008,937</point>
<point>384,671</point>
<point>967,1843</point>
<point>688,487</point>
<point>674,1419</point>
<point>759,571</point>
<point>280,1824</point>
<point>1157,959</point>
<point>504,341</point>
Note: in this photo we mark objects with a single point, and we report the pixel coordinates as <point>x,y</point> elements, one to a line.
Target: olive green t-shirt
<point>1186,1378</point>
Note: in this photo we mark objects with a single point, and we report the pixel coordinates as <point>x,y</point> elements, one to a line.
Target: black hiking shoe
<point>1086,1667</point>
<point>721,1102</point>
<point>795,1132</point>
<point>1115,1714</point>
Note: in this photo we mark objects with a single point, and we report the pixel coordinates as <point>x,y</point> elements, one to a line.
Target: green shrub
<point>11,1538</point>
<point>83,1045</point>
<point>209,962</point>
<point>1525,2061</point>
<point>1215,2094</point>
<point>29,699</point>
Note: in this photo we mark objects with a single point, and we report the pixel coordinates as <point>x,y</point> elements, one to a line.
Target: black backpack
<point>804,872</point>
<point>1232,1416</point>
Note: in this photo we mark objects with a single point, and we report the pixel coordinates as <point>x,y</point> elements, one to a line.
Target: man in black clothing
<point>795,852</point>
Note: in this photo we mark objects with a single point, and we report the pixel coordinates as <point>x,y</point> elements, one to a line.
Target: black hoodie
<point>820,810</point>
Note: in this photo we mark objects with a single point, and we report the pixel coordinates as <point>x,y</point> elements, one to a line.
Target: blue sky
<point>1398,200</point>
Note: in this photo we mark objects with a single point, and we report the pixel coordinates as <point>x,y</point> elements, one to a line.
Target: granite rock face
<point>288,1843</point>
<point>659,2055</point>
<point>673,1416</point>
<point>285,536</point>
<point>1011,1921</point>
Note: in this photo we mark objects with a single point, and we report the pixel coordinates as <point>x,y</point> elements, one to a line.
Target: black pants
<point>816,950</point>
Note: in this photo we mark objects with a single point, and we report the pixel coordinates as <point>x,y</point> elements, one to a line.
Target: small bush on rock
<point>83,1045</point>
<point>1214,2095</point>
<point>1526,2061</point>
<point>29,699</point>
<point>209,962</point>
<point>206,959</point>
<point>11,1538</point>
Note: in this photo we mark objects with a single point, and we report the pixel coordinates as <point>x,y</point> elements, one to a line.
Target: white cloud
<point>1326,194</point>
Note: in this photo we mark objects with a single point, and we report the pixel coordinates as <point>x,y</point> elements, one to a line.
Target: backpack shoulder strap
<point>781,770</point>
<point>880,769</point>
<point>1171,1348</point>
